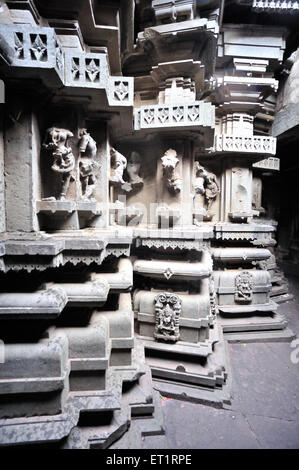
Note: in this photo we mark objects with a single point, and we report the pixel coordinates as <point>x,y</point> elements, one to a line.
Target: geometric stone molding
<point>38,49</point>
<point>170,244</point>
<point>245,144</point>
<point>257,234</point>
<point>91,70</point>
<point>173,117</point>
<point>277,6</point>
<point>57,250</point>
<point>35,48</point>
<point>271,163</point>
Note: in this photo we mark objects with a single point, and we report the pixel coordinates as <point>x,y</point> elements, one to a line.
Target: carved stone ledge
<point>240,255</point>
<point>56,251</point>
<point>242,216</point>
<point>47,303</point>
<point>255,233</point>
<point>32,247</point>
<point>180,28</point>
<point>175,269</point>
<point>239,309</point>
<point>59,207</point>
<point>172,245</point>
<point>89,208</point>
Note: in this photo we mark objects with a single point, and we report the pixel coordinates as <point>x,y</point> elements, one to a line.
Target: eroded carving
<point>56,142</point>
<point>87,164</point>
<point>205,183</point>
<point>118,166</point>
<point>168,309</point>
<point>169,164</point>
<point>213,303</point>
<point>133,168</point>
<point>243,287</point>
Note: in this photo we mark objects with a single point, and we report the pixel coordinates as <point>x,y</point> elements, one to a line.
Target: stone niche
<point>74,168</point>
<point>166,188</point>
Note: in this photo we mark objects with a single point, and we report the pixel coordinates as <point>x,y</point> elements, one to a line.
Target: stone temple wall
<point>137,233</point>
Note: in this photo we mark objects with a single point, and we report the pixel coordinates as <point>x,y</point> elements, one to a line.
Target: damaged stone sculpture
<point>87,164</point>
<point>63,159</point>
<point>133,169</point>
<point>118,166</point>
<point>169,164</point>
<point>205,184</point>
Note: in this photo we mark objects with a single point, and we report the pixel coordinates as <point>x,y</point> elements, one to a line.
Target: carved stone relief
<point>169,163</point>
<point>133,169</point>
<point>56,142</point>
<point>168,308</point>
<point>118,166</point>
<point>87,164</point>
<point>205,183</point>
<point>243,287</point>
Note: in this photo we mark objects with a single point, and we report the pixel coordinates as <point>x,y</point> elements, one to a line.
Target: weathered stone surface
<point>136,208</point>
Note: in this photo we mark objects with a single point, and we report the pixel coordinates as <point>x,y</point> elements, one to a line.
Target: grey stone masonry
<point>140,149</point>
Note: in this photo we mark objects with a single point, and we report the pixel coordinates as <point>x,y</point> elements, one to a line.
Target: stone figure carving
<point>243,287</point>
<point>168,308</point>
<point>87,164</point>
<point>169,163</point>
<point>205,183</point>
<point>63,158</point>
<point>133,168</point>
<point>118,166</point>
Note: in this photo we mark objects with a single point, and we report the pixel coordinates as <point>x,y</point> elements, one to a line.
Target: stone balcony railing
<point>33,47</point>
<point>245,144</point>
<point>275,5</point>
<point>90,70</point>
<point>271,163</point>
<point>179,116</point>
<point>38,49</point>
